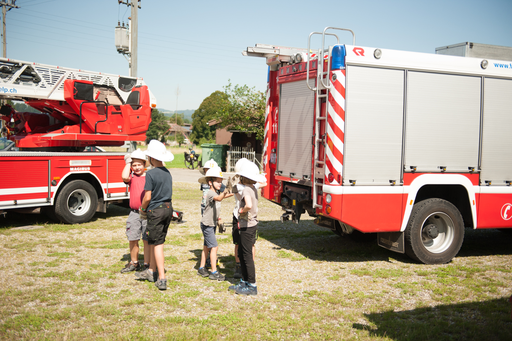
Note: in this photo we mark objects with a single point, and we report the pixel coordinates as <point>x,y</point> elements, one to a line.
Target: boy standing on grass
<point>133,175</point>
<point>205,188</point>
<point>237,190</point>
<point>247,222</point>
<point>211,211</point>
<point>156,207</point>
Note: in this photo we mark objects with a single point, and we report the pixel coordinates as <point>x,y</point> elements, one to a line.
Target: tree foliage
<point>245,112</point>
<point>178,119</point>
<point>158,127</point>
<point>209,109</point>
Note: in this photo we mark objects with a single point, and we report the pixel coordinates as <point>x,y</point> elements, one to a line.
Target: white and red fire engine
<point>412,146</point>
<point>50,170</point>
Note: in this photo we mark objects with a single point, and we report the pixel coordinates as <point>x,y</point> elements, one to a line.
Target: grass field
<point>63,282</point>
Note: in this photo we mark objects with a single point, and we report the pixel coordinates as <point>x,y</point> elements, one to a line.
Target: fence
<point>237,153</point>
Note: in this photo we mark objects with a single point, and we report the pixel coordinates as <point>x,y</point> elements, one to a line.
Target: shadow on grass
<point>319,243</point>
<point>226,267</point>
<point>16,219</point>
<point>488,320</point>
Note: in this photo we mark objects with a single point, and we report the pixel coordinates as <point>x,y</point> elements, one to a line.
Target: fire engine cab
<point>78,109</point>
<point>414,147</point>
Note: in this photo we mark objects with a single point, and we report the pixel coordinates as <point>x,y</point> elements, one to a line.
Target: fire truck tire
<point>76,203</point>
<point>435,232</point>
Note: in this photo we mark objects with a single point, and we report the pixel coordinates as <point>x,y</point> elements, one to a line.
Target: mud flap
<point>102,206</point>
<point>393,241</point>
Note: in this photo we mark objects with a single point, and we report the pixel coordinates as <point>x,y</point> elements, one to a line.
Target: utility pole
<point>6,6</point>
<point>133,38</point>
<point>176,112</point>
<point>132,53</point>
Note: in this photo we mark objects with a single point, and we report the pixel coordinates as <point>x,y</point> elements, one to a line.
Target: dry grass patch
<point>64,282</point>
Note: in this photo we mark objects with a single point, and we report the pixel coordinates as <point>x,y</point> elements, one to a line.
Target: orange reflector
<point>410,203</point>
<point>328,209</point>
<point>56,178</point>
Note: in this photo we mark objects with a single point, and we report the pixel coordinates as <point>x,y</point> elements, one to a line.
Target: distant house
<point>184,130</point>
<point>236,138</point>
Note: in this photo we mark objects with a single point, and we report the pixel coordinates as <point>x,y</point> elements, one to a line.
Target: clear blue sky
<point>196,45</point>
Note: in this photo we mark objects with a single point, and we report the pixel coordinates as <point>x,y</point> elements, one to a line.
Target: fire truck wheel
<point>435,232</point>
<point>76,203</point>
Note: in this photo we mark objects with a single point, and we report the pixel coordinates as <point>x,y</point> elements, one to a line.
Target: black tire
<point>435,232</point>
<point>76,203</point>
<point>195,162</point>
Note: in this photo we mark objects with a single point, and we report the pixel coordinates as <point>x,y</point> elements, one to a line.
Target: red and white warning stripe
<point>267,129</point>
<point>335,127</point>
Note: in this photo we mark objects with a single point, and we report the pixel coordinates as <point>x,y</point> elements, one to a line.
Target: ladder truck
<point>49,171</point>
<point>410,147</point>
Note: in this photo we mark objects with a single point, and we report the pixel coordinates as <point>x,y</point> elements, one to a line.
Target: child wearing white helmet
<point>237,191</point>
<point>210,164</point>
<point>156,207</point>
<point>133,175</point>
<point>204,186</point>
<point>248,226</point>
<point>213,178</point>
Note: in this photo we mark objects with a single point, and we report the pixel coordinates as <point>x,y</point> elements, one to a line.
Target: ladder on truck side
<point>21,80</point>
<point>322,90</point>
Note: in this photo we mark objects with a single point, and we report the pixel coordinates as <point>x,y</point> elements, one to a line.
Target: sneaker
<point>238,271</point>
<point>236,286</point>
<point>161,284</point>
<point>130,267</point>
<point>203,272</point>
<point>145,275</point>
<point>216,276</point>
<point>247,289</point>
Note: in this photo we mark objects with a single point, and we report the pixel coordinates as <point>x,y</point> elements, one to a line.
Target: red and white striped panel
<point>267,129</point>
<point>335,127</point>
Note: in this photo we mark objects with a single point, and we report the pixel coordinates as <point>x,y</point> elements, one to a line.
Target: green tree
<point>177,119</point>
<point>209,109</point>
<point>246,110</point>
<point>158,128</point>
<point>180,139</point>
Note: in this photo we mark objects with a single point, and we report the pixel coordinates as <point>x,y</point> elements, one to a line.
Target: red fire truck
<point>414,147</point>
<point>78,109</point>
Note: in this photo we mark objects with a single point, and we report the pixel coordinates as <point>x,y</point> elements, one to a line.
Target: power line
<point>6,6</point>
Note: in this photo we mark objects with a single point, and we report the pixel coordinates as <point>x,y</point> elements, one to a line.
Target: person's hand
<point>220,226</point>
<point>143,215</point>
<point>127,159</point>
<point>244,215</point>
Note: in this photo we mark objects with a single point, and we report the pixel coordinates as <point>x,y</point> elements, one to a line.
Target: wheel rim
<point>79,202</point>
<point>441,224</point>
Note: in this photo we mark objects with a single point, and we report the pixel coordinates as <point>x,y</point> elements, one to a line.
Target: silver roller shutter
<point>296,116</point>
<point>442,122</point>
<point>497,135</point>
<point>373,126</point>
